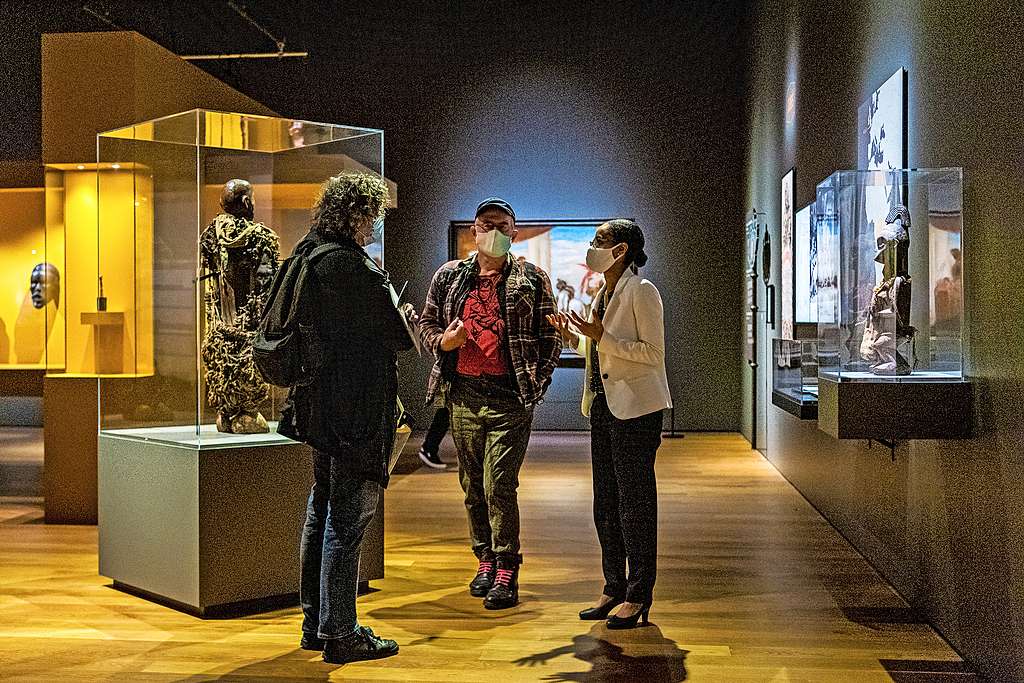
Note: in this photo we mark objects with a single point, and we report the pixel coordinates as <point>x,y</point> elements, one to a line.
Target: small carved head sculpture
<point>237,199</point>
<point>44,285</point>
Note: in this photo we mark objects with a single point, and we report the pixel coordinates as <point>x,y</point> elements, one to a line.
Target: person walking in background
<point>432,441</point>
<point>625,391</point>
<point>347,414</point>
<point>484,320</point>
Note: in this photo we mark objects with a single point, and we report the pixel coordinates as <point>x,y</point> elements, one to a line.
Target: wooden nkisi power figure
<point>239,258</point>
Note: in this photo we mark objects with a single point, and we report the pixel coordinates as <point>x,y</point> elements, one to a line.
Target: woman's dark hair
<point>346,199</point>
<point>627,232</point>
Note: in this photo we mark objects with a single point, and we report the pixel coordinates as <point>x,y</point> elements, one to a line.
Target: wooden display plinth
<point>108,339</point>
<point>70,423</point>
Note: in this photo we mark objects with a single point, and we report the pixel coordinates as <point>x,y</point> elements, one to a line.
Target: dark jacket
<point>349,409</point>
<point>533,345</point>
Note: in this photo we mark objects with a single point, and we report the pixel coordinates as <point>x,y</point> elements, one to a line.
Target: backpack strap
<point>300,296</point>
<point>322,250</point>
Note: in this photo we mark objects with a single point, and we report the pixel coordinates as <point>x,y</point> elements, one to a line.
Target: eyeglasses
<point>487,226</point>
<point>597,241</point>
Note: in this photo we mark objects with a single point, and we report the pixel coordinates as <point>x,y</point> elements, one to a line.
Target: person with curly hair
<point>348,412</point>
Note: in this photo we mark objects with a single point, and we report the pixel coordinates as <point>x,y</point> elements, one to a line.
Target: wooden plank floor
<point>753,586</point>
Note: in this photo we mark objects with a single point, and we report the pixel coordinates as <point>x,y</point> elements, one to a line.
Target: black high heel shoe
<point>599,613</point>
<point>617,622</point>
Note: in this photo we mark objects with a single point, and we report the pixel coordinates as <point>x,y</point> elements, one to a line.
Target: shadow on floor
<point>924,671</point>
<point>611,661</point>
<point>292,667</point>
<point>434,618</point>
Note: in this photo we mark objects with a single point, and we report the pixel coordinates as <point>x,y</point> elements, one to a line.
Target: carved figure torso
<point>239,259</point>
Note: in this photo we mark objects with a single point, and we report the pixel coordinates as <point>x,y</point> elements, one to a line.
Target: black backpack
<point>287,349</point>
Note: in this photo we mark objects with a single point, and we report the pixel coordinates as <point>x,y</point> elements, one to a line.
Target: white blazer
<point>631,352</point>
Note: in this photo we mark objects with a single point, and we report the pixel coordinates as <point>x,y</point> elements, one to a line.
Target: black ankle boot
<point>362,645</point>
<point>311,642</point>
<point>484,578</point>
<point>505,591</point>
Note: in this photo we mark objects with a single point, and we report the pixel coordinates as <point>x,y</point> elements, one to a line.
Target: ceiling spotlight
<point>80,167</point>
<point>115,166</point>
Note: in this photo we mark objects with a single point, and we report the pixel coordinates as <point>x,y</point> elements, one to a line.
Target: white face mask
<point>600,260</point>
<point>375,235</point>
<point>494,243</point>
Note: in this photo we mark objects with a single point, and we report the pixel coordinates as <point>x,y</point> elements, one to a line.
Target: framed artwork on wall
<point>882,146</point>
<point>787,279</point>
<point>882,126</point>
<point>805,253</point>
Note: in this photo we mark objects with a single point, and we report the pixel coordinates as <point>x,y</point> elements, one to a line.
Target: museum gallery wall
<point>576,127</point>
<point>934,516</point>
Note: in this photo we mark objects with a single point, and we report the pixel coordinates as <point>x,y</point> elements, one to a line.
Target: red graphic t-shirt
<point>483,353</point>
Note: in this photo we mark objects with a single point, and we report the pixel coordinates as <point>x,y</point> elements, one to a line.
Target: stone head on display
<point>44,285</point>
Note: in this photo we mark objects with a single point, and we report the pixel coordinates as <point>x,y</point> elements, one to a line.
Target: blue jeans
<point>340,508</point>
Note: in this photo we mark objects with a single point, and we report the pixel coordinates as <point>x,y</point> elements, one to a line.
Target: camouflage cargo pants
<point>491,430</point>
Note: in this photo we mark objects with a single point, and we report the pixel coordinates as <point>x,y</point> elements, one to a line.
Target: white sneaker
<point>432,460</point>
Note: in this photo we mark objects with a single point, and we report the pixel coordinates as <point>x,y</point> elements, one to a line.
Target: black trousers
<point>626,499</point>
<point>438,428</point>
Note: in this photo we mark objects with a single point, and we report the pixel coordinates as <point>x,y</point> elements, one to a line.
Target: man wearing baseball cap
<point>485,322</point>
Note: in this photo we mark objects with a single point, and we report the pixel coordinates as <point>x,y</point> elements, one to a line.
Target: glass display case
<point>795,377</point>
<point>31,296</point>
<point>890,282</point>
<point>891,305</point>
<point>164,253</point>
<point>31,277</point>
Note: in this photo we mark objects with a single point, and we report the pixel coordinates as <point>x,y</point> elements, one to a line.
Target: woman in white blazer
<point>625,390</point>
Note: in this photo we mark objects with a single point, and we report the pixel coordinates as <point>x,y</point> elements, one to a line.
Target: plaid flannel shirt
<point>533,344</point>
